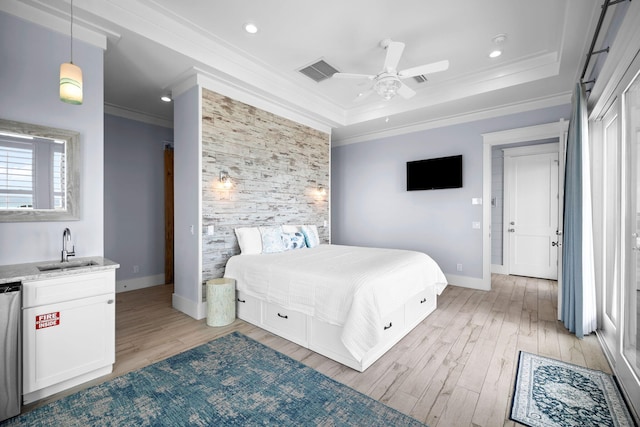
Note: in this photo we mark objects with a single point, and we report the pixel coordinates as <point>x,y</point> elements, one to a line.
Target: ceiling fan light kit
<point>388,82</point>
<point>387,86</point>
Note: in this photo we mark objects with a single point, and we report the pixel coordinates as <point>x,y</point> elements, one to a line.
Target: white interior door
<point>531,220</point>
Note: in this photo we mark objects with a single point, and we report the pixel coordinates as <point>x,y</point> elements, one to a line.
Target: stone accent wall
<point>275,166</point>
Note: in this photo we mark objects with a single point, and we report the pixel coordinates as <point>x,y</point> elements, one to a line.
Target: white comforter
<point>349,286</point>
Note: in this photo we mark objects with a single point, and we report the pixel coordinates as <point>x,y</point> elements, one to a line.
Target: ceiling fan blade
<point>434,67</point>
<point>364,95</point>
<point>352,76</point>
<point>394,52</point>
<point>406,92</point>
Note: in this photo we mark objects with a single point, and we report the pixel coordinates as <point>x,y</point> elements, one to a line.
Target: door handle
<point>556,244</point>
<point>511,230</point>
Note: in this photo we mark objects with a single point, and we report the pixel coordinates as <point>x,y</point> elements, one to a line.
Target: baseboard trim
<point>188,307</point>
<point>468,282</point>
<point>139,283</point>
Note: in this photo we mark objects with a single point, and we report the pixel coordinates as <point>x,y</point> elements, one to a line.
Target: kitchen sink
<point>66,265</point>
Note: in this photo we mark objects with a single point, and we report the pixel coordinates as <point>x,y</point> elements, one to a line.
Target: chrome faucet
<point>66,237</point>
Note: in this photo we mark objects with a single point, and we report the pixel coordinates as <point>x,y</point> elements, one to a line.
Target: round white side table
<point>221,301</point>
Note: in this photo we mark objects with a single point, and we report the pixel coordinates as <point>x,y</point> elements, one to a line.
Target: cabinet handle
<point>284,317</point>
<point>242,300</point>
<point>388,327</point>
<point>423,301</point>
<point>110,301</point>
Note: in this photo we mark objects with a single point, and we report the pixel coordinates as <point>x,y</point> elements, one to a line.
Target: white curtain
<point>578,311</point>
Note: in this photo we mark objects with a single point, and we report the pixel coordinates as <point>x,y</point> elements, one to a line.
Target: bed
<point>351,304</point>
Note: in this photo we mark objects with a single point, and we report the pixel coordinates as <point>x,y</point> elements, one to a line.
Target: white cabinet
<point>68,332</point>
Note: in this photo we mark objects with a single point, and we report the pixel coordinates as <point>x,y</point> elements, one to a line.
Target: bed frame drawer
<point>419,306</point>
<point>393,323</point>
<point>248,308</point>
<point>287,323</point>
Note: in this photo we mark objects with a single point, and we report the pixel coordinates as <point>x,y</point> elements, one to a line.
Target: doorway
<point>168,214</point>
<point>549,131</point>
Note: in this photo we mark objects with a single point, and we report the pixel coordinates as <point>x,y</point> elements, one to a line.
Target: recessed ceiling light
<point>495,53</point>
<point>250,28</point>
<point>165,98</point>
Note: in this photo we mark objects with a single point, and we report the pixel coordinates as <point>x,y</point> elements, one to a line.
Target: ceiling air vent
<point>420,78</point>
<point>319,71</point>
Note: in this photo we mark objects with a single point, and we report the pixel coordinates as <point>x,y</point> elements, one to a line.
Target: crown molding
<point>45,15</point>
<point>535,68</point>
<point>116,110</point>
<point>146,18</point>
<point>238,92</point>
<point>519,107</point>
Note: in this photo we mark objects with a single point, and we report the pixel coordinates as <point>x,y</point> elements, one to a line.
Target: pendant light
<point>71,77</point>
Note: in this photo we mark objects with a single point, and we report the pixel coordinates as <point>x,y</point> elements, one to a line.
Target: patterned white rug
<point>549,392</point>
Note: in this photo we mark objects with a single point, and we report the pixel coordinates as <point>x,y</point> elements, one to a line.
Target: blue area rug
<point>549,392</point>
<point>233,380</point>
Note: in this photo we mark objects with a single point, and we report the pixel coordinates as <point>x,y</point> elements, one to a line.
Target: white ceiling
<point>153,45</point>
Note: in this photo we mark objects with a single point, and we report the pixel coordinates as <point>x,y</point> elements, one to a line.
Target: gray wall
<point>30,58</point>
<point>187,206</point>
<point>371,207</point>
<point>134,196</point>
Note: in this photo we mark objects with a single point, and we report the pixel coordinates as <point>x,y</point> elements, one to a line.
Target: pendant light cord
<point>72,31</point>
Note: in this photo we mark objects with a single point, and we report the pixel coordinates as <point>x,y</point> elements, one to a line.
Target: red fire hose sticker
<point>47,320</point>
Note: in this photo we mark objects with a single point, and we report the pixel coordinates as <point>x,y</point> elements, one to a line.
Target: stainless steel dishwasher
<point>11,339</point>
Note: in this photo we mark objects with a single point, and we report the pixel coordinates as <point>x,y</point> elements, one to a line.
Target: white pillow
<point>272,239</point>
<point>310,235</point>
<point>249,239</point>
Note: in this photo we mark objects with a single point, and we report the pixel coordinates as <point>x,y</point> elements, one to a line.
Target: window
<point>16,174</point>
<point>32,173</point>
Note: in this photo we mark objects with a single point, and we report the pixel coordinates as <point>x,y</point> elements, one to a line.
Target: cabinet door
<point>67,339</point>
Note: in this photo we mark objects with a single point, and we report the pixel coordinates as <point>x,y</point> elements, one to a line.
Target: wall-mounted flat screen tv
<point>434,174</point>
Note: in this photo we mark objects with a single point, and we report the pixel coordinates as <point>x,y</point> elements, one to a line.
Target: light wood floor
<point>456,368</point>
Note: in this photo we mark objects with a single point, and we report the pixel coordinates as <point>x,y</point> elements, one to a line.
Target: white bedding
<point>353,287</point>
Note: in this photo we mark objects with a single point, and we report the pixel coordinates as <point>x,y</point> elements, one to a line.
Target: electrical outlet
<point>459,267</point>
<point>136,269</point>
<point>210,230</point>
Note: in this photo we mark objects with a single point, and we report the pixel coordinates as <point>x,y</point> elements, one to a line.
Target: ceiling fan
<point>388,82</point>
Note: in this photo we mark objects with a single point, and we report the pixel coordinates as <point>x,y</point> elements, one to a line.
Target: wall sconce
<point>71,76</point>
<point>225,179</point>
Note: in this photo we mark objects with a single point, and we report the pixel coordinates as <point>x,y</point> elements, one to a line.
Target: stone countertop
<point>30,271</point>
